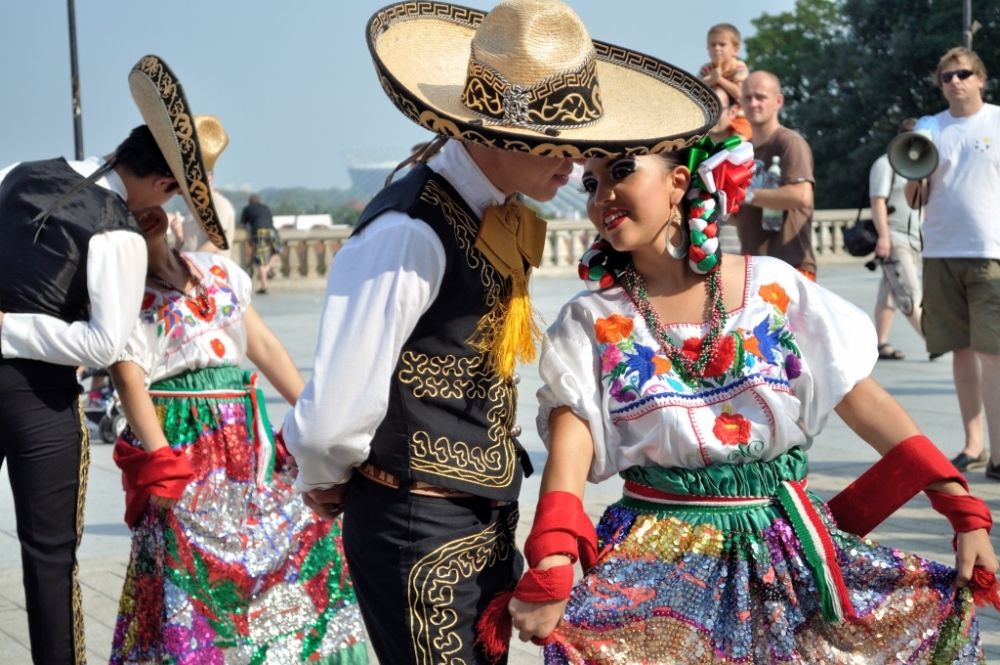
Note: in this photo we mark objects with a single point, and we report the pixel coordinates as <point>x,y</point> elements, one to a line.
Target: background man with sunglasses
<point>962,251</point>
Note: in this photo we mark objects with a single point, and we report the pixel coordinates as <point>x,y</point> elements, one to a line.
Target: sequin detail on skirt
<point>234,573</point>
<point>728,586</point>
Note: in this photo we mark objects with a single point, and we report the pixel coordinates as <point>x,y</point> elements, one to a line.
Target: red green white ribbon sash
<point>817,546</point>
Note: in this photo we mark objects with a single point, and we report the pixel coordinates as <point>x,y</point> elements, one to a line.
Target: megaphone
<point>912,154</point>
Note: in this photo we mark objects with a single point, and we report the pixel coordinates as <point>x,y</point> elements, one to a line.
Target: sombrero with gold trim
<point>527,77</point>
<point>161,101</point>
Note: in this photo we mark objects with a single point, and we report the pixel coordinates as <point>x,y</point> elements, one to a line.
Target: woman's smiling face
<point>630,199</point>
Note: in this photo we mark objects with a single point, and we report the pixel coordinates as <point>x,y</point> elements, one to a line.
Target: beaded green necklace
<point>635,287</point>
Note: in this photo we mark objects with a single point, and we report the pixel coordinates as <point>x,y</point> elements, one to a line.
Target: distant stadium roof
<point>369,167</point>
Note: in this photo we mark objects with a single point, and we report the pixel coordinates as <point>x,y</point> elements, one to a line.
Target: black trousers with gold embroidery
<point>43,445</point>
<point>424,569</point>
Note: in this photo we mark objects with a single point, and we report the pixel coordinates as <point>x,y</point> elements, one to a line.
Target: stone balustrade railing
<point>307,254</point>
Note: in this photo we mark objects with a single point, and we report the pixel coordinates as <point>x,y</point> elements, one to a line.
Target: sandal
<point>886,352</point>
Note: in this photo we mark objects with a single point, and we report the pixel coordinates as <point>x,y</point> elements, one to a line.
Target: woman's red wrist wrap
<point>966,512</point>
<point>901,474</point>
<point>561,527</point>
<point>542,586</point>
<point>165,472</point>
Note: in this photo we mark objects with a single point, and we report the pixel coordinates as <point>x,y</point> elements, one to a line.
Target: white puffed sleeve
<point>141,348</point>
<point>570,369</point>
<point>838,345</point>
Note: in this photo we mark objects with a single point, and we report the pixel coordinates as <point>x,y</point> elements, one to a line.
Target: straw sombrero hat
<point>212,139</point>
<point>161,101</point>
<point>527,77</point>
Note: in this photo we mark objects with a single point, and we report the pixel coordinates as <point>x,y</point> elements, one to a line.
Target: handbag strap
<point>861,203</point>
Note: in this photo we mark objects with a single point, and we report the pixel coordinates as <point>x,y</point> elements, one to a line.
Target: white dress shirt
<point>381,283</point>
<point>116,276</point>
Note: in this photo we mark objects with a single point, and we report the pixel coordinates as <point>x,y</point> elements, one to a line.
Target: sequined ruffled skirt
<point>727,585</point>
<point>240,571</point>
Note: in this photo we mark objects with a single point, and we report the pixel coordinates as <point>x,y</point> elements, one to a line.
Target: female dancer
<point>227,563</point>
<point>702,380</point>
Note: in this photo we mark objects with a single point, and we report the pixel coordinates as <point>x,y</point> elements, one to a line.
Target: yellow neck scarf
<point>510,236</point>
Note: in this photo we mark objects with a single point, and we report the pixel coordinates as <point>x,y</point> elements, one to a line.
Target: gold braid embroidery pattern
<point>496,465</point>
<point>79,638</point>
<point>446,377</point>
<point>430,589</point>
<point>190,152</point>
<point>465,228</point>
<point>567,99</point>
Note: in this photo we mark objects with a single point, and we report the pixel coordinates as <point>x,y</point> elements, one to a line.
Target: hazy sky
<point>292,81</point>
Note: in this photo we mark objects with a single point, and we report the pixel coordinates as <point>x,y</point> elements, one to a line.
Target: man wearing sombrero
<point>409,422</point>
<point>72,271</point>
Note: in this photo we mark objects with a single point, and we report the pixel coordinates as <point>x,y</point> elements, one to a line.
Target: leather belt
<point>382,477</point>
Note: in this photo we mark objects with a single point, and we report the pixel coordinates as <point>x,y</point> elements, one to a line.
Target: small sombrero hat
<point>212,139</point>
<point>161,101</point>
<point>527,77</point>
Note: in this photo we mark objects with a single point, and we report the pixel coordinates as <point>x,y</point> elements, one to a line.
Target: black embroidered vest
<point>451,419</point>
<point>43,266</point>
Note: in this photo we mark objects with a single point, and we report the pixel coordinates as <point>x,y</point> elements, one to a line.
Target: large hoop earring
<point>680,251</point>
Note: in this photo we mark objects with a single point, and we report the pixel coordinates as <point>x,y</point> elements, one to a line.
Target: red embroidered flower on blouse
<point>148,299</point>
<point>202,306</point>
<point>219,271</point>
<point>218,348</point>
<point>731,429</point>
<point>717,364</point>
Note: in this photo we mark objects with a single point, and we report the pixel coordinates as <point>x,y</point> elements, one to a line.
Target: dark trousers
<point>424,569</point>
<point>43,442</point>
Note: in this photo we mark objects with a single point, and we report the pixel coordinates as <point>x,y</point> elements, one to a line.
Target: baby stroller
<point>101,406</point>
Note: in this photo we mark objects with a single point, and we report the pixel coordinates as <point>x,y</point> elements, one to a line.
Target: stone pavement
<point>925,389</point>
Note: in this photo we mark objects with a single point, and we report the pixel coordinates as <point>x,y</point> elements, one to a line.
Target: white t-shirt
<point>885,183</point>
<point>963,212</point>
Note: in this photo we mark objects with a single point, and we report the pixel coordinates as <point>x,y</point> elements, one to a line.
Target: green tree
<point>852,69</point>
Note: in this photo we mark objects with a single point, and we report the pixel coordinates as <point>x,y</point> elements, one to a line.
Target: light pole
<point>75,82</point>
<point>967,28</point>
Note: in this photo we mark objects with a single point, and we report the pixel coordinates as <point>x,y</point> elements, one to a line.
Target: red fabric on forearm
<point>904,471</point>
<point>164,472</point>
<point>561,527</point>
<point>966,512</point>
<point>543,586</point>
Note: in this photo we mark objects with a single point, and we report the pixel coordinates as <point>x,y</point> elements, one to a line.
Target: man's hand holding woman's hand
<point>326,503</point>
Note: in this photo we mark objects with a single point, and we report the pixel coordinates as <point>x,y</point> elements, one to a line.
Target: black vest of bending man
<point>43,265</point>
<point>450,417</point>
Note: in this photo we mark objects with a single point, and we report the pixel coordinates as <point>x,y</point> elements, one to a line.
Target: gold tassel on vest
<point>510,236</point>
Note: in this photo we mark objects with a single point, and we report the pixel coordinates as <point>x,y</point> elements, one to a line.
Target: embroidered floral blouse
<point>176,333</point>
<point>791,352</point>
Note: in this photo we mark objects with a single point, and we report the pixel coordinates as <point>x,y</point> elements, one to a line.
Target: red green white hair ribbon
<point>721,174</point>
